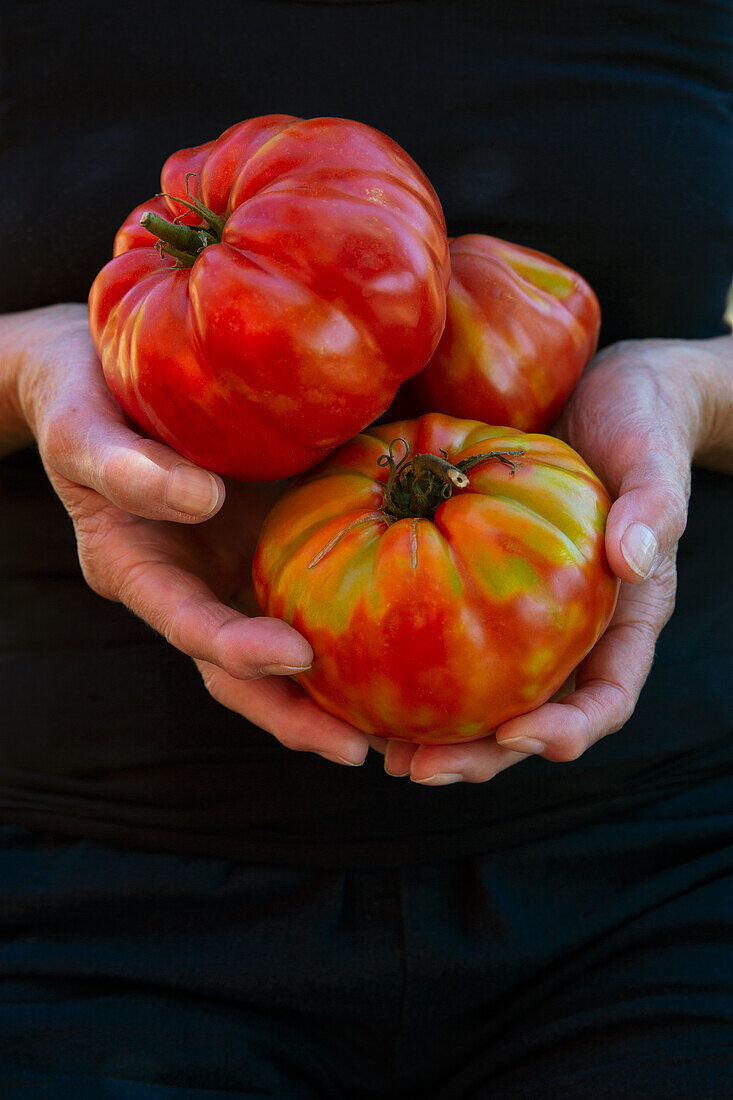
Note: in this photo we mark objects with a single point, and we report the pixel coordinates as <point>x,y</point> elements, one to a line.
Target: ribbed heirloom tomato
<point>448,575</point>
<point>520,328</point>
<point>290,277</point>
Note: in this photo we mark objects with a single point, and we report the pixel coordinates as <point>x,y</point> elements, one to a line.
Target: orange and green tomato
<point>470,606</point>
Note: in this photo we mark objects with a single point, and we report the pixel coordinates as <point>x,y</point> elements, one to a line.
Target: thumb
<point>89,446</point>
<point>646,521</point>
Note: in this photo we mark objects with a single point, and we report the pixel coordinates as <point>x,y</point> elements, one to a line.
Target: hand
<point>639,414</point>
<point>138,511</point>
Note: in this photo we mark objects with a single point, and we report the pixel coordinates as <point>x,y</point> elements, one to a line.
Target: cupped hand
<point>138,511</point>
<point>641,411</point>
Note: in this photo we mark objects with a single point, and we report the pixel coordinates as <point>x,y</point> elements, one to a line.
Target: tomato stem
<point>417,486</point>
<point>215,223</point>
<point>180,241</point>
<point>184,242</point>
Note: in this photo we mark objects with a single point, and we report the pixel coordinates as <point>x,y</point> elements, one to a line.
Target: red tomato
<point>520,328</point>
<point>302,282</point>
<point>441,598</point>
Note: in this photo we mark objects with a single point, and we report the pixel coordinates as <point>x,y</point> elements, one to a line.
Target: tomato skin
<point>520,328</point>
<point>285,338</point>
<point>438,630</point>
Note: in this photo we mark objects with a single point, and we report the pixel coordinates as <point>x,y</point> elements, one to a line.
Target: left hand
<point>640,413</point>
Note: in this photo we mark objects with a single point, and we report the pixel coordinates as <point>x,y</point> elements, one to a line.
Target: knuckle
<point>121,469</point>
<point>61,436</point>
<point>618,709</point>
<point>675,499</point>
<point>152,451</point>
<point>638,638</point>
<point>567,749</point>
<point>602,713</point>
<point>113,473</point>
<point>294,738</point>
<point>667,611</point>
<point>618,722</point>
<point>133,581</point>
<point>118,474</point>
<point>227,647</point>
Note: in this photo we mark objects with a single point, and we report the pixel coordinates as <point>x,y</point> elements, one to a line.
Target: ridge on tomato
<point>290,277</point>
<point>449,575</point>
<point>520,328</point>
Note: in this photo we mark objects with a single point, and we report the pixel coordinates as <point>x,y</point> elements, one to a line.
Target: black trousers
<point>593,964</point>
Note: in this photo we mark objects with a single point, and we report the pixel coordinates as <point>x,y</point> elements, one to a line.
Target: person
<point>195,902</point>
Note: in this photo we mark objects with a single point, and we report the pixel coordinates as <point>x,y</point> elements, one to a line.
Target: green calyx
<point>417,486</point>
<point>184,242</point>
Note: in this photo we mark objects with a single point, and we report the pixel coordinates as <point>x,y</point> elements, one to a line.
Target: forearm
<point>28,340</point>
<point>14,429</point>
<point>714,377</point>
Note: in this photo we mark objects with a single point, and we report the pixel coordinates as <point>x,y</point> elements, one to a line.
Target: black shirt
<point>599,132</point>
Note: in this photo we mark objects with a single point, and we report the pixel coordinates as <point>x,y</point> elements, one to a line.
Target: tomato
<point>290,278</point>
<point>444,594</point>
<point>520,329</point>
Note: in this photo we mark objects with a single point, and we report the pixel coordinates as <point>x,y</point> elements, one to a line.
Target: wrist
<point>712,374</point>
<point>15,431</point>
<point>25,339</point>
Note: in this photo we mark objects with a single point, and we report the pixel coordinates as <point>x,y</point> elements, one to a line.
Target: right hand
<point>138,511</point>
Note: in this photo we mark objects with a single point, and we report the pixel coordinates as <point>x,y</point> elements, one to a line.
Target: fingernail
<point>192,491</point>
<point>523,744</point>
<point>283,670</point>
<point>442,779</point>
<point>336,759</point>
<point>396,775</point>
<point>639,548</point>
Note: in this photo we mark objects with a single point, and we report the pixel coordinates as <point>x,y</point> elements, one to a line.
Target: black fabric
<point>599,132</point>
<point>595,963</point>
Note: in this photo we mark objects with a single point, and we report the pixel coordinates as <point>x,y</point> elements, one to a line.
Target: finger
<point>651,478</point>
<point>475,762</point>
<point>645,524</point>
<point>189,616</point>
<point>90,444</point>
<point>609,680</point>
<point>439,765</point>
<point>379,744</point>
<point>397,757</point>
<point>178,605</point>
<point>283,709</point>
